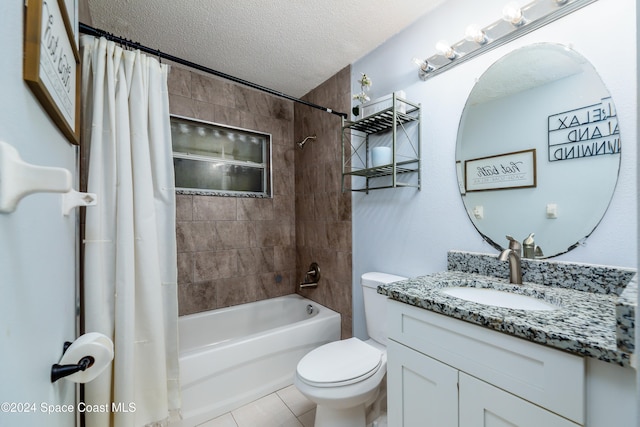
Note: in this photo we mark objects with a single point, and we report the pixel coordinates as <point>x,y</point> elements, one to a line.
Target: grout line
<point>252,404</point>
<point>234,419</point>
<point>286,406</point>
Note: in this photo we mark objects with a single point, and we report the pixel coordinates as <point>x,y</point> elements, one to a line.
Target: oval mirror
<point>538,149</point>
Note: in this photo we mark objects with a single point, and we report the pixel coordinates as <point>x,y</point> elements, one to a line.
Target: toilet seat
<point>339,363</point>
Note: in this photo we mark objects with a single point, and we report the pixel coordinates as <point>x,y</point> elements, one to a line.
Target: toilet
<point>344,377</point>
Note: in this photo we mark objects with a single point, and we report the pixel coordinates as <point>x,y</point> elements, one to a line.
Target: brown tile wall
<point>323,212</point>
<point>234,250</point>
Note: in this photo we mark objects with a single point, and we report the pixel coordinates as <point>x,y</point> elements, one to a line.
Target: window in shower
<point>210,158</point>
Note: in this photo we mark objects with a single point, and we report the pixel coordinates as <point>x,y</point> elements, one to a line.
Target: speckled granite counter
<point>593,320</point>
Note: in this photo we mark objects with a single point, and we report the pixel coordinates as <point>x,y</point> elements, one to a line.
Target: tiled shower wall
<point>233,250</point>
<point>323,212</point>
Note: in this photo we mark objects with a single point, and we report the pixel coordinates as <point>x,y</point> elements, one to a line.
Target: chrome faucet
<point>513,256</point>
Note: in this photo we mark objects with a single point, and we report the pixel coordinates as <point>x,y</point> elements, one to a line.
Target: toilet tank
<point>375,304</point>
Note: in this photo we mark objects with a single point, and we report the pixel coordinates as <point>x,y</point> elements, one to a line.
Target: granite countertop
<point>588,323</point>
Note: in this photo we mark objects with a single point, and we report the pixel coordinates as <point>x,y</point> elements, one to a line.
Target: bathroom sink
<point>497,298</point>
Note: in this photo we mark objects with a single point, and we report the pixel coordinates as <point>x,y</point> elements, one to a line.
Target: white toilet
<point>343,377</point>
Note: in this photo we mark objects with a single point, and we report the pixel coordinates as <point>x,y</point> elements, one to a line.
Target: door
<point>483,405</point>
<point>422,392</point>
<point>37,254</point>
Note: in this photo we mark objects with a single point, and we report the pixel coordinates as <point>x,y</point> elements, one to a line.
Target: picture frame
<point>501,172</point>
<point>51,66</point>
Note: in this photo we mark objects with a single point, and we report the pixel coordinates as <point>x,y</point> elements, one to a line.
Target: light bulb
<point>422,63</point>
<point>419,62</point>
<point>512,13</point>
<point>424,67</point>
<point>474,33</point>
<point>444,48</point>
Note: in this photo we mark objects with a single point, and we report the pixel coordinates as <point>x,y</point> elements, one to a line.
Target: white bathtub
<point>234,355</point>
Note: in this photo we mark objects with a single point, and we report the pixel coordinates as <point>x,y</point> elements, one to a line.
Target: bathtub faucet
<point>312,277</point>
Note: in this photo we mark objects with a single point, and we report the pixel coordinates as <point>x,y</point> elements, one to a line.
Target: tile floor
<point>284,408</point>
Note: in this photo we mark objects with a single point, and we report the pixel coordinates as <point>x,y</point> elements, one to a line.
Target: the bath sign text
<point>57,60</point>
<point>584,132</point>
<point>509,170</point>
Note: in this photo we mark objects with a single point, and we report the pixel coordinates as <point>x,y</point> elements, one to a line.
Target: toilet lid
<point>345,361</point>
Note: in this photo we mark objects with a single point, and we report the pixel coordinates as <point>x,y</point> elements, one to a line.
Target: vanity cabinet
<point>396,127</point>
<point>483,405</point>
<point>427,393</point>
<point>444,372</point>
<point>421,391</point>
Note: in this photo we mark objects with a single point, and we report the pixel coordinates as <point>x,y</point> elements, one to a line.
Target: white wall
<point>638,205</point>
<point>37,252</point>
<point>409,232</point>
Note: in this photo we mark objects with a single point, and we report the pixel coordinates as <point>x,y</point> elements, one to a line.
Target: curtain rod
<point>86,29</point>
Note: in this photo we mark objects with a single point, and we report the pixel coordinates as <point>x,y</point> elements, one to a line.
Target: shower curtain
<point>130,271</point>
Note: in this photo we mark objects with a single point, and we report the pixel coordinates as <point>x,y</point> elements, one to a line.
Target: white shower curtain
<point>130,271</point>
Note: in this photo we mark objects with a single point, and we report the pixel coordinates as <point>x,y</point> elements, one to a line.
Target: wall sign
<point>502,172</point>
<point>584,132</point>
<point>52,63</point>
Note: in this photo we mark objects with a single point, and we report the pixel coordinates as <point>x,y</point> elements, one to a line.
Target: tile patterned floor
<point>284,408</point>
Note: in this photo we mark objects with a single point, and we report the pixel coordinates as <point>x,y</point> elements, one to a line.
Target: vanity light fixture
<point>515,22</point>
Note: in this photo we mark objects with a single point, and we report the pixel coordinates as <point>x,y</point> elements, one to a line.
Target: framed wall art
<point>501,172</point>
<point>52,63</point>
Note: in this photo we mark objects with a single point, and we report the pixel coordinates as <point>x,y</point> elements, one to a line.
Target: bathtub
<point>232,356</point>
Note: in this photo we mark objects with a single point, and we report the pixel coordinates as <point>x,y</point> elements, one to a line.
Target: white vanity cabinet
<point>483,405</point>
<point>444,372</point>
<point>447,373</point>
<point>420,390</point>
<point>427,393</point>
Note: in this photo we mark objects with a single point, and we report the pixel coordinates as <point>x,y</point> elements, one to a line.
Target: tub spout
<point>308,285</point>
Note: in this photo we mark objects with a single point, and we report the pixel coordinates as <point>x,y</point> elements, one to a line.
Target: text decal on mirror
<point>584,132</point>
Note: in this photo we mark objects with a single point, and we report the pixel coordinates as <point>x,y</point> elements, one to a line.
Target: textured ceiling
<point>525,69</point>
<point>290,46</point>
